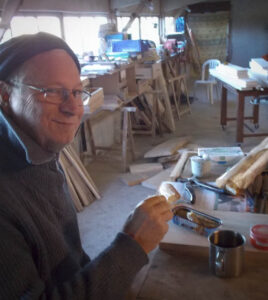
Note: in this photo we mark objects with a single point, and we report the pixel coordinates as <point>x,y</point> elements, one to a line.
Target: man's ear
<point>4,96</point>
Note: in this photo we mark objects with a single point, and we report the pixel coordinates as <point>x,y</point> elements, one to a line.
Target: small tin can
<point>195,220</point>
<point>259,236</point>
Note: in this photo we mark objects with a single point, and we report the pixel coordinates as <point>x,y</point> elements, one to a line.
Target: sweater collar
<point>19,145</point>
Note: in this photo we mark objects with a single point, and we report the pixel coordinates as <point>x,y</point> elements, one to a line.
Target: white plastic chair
<point>205,78</point>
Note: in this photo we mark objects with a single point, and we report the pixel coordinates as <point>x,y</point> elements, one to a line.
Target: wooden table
<point>240,114</point>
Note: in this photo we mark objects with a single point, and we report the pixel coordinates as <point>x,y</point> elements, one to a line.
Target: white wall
<point>249,30</point>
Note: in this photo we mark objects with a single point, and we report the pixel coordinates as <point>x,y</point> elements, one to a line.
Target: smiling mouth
<point>64,123</point>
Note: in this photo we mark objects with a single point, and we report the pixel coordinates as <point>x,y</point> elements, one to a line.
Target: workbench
<point>240,114</point>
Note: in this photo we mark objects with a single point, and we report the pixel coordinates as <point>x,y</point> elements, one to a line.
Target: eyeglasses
<point>58,95</point>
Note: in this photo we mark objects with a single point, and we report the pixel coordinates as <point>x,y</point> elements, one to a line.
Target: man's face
<point>51,125</point>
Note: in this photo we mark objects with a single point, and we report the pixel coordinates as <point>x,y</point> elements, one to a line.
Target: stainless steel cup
<point>226,253</point>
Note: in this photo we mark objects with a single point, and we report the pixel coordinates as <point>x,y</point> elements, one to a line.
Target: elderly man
<point>41,257</point>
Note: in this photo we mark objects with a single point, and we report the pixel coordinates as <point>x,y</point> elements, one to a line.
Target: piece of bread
<point>232,188</point>
<point>171,194</point>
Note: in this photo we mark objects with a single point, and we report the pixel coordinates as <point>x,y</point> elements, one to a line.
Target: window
<point>149,25</point>
<point>81,33</point>
<point>150,29</point>
<point>49,24</point>
<point>169,25</point>
<point>29,25</point>
<point>134,28</point>
<point>7,36</point>
<point>23,25</point>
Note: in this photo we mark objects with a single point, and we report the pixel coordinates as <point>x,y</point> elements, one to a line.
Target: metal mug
<point>226,253</point>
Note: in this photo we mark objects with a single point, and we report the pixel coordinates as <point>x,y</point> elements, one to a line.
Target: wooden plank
<point>134,179</point>
<point>189,147</point>
<point>80,187</point>
<point>83,176</point>
<point>142,168</point>
<point>71,188</point>
<point>73,157</point>
<point>178,236</point>
<point>155,181</point>
<point>168,115</point>
<point>82,190</point>
<point>178,169</point>
<point>149,96</point>
<point>166,159</point>
<point>167,148</point>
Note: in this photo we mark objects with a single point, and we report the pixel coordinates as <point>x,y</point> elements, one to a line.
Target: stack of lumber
<point>81,186</point>
<point>233,70</point>
<point>170,147</point>
<point>237,76</point>
<point>259,70</point>
<point>259,65</point>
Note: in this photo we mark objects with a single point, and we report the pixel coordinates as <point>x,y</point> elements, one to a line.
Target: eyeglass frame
<point>44,91</point>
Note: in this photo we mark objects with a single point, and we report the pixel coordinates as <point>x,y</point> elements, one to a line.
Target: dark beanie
<point>16,51</point>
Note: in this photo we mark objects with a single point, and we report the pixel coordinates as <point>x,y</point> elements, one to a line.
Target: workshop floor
<point>100,221</point>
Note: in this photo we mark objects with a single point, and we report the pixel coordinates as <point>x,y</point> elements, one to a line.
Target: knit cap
<point>16,51</point>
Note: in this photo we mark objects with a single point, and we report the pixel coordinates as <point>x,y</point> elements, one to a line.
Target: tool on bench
<point>192,182</point>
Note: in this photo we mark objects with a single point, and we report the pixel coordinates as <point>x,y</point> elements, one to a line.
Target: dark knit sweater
<point>40,249</point>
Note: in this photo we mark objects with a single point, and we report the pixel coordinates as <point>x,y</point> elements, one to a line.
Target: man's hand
<point>148,223</point>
